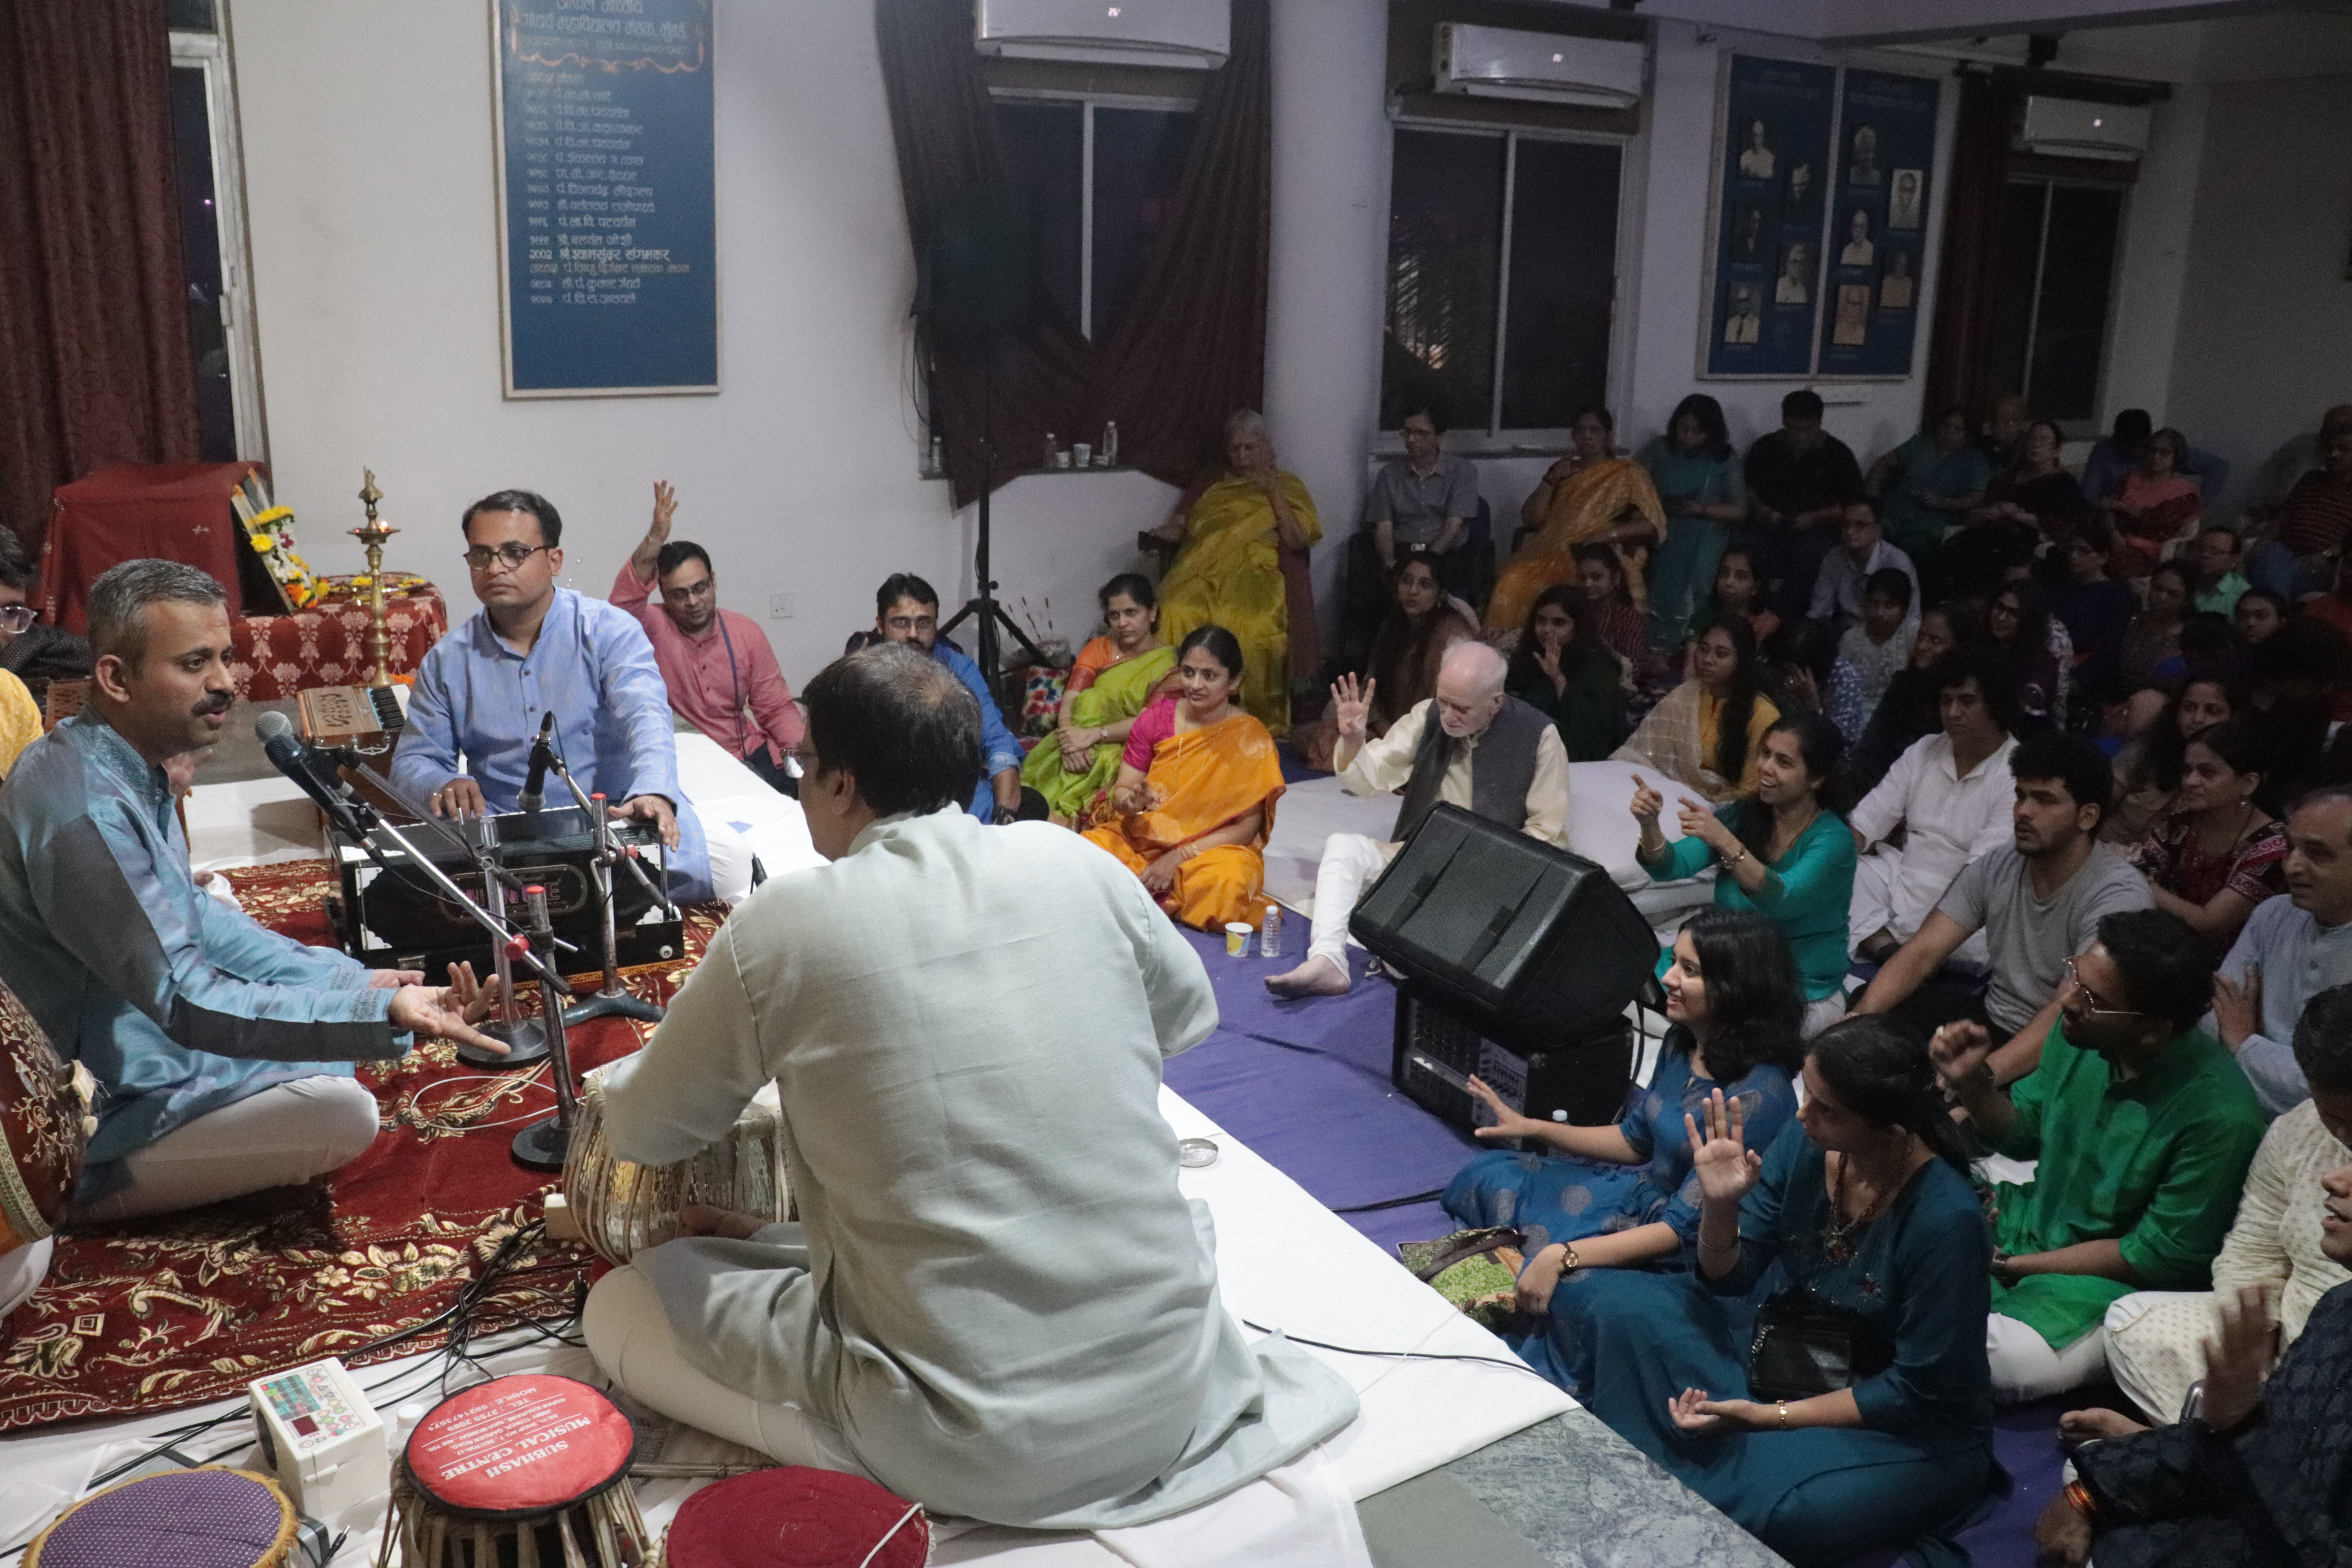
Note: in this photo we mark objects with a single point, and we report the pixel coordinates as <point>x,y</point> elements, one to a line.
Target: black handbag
<point>1805,1346</point>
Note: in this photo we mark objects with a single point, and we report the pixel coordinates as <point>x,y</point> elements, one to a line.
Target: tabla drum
<point>204,1518</point>
<point>44,1125</point>
<point>797,1518</point>
<point>517,1472</point>
<point>623,1207</point>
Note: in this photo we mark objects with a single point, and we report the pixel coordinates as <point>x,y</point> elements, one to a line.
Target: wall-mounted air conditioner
<point>2070,128</point>
<point>1193,33</point>
<point>1548,68</point>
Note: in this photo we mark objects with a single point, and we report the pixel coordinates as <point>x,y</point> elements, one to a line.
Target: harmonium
<point>392,916</point>
<point>367,720</point>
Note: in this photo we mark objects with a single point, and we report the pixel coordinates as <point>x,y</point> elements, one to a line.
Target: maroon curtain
<point>1015,389</point>
<point>1970,277</point>
<point>1192,347</point>
<point>96,366</point>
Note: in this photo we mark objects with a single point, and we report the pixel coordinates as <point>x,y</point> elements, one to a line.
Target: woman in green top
<point>1114,676</point>
<point>1563,670</point>
<point>1786,853</point>
<point>1699,483</point>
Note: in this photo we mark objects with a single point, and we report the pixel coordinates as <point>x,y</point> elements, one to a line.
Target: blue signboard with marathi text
<point>607,197</point>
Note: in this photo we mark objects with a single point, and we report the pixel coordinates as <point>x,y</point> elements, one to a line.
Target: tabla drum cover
<point>623,1207</point>
<point>204,1518</point>
<point>44,1124</point>
<point>518,1472</point>
<point>797,1518</point>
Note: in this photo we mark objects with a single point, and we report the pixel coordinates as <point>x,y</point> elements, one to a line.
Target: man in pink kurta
<point>721,671</point>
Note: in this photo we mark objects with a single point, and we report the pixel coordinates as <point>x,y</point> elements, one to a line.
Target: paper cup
<point>1082,455</point>
<point>1237,938</point>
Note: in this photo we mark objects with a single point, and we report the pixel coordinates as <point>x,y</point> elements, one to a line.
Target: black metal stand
<point>525,1040</point>
<point>984,606</point>
<point>542,1145</point>
<point>612,1000</point>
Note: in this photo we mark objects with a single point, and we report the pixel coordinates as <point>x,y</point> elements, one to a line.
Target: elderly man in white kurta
<point>1471,746</point>
<point>996,1302</point>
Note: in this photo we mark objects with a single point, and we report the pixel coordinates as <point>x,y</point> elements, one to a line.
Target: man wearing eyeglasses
<point>31,652</point>
<point>536,649</point>
<point>2142,1127</point>
<point>721,673</point>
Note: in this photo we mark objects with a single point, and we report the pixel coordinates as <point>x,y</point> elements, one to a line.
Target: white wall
<point>368,148</point>
<point>2267,310</point>
<point>2153,271</point>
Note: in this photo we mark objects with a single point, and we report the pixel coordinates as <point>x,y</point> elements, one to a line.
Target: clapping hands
<point>1959,1051</point>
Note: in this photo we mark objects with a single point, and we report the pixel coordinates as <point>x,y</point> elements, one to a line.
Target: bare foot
<point>1318,976</point>
<point>2082,1425</point>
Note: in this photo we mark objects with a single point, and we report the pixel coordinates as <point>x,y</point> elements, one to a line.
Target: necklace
<point>1838,1232</point>
<point>1779,848</point>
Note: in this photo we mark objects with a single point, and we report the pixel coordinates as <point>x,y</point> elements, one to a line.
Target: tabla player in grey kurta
<point>996,1300</point>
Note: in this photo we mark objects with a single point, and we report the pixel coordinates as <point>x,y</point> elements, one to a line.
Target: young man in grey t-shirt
<point>2038,902</point>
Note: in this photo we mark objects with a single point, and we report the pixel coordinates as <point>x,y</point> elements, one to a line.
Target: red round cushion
<point>520,1445</point>
<point>796,1518</point>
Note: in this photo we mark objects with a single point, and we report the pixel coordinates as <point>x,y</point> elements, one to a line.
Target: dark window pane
<point>200,255</point>
<point>2013,303</point>
<point>1445,230</point>
<point>1138,157</point>
<point>2078,270</point>
<point>1045,142</point>
<point>1563,282</point>
<point>189,15</point>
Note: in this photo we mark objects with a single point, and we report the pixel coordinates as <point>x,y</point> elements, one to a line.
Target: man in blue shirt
<point>221,1051</point>
<point>907,610</point>
<point>534,648</point>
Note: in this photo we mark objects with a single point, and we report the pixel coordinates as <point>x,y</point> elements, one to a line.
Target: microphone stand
<point>612,1000</point>
<point>542,1145</point>
<point>526,1039</point>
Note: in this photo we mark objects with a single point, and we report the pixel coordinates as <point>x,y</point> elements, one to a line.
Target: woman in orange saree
<point>1588,498</point>
<point>1194,800</point>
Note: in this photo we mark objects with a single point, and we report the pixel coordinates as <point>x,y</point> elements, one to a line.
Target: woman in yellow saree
<point>1231,572</point>
<point>1196,790</point>
<point>1586,497</point>
<point>1116,675</point>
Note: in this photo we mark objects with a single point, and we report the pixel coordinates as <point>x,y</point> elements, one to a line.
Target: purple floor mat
<point>1305,1085</point>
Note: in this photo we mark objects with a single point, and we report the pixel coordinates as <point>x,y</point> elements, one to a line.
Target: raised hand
<point>1647,802</point>
<point>1351,706</point>
<point>664,508</point>
<point>425,1010</point>
<point>1727,1168</point>
<point>1959,1050</point>
<point>1508,1123</point>
<point>1699,823</point>
<point>475,1000</point>
<point>2238,1359</point>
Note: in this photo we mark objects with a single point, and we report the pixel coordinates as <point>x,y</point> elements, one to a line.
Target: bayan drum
<point>44,1125</point>
<point>517,1472</point>
<point>623,1207</point>
<point>204,1518</point>
<point>797,1518</point>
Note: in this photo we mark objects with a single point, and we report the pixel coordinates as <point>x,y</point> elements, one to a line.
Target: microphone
<point>315,773</point>
<point>542,752</point>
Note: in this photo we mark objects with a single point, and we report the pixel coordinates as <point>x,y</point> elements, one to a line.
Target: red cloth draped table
<point>179,511</point>
<point>327,644</point>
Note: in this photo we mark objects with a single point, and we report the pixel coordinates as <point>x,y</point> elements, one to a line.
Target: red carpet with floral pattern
<point>154,1314</point>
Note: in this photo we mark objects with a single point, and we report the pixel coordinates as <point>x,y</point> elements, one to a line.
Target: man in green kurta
<point>2142,1127</point>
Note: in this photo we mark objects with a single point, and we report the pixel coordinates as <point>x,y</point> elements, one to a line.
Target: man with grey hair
<point>1471,746</point>
<point>222,1050</point>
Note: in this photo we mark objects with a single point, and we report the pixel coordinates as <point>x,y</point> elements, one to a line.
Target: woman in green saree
<point>1116,675</point>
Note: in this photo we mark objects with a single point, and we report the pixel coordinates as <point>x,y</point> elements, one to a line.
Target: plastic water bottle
<point>1269,941</point>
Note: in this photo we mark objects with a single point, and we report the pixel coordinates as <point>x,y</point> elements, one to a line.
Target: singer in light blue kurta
<point>593,667</point>
<point>176,1003</point>
<point>996,1292</point>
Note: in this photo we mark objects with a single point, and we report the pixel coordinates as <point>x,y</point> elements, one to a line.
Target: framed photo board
<point>1886,156</point>
<point>608,258</point>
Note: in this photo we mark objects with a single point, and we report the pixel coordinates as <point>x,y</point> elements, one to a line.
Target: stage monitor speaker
<point>1582,1082</point>
<point>1525,943</point>
<point>980,270</point>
